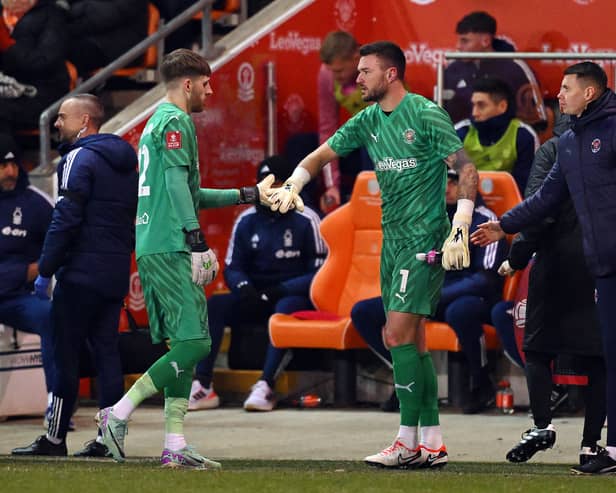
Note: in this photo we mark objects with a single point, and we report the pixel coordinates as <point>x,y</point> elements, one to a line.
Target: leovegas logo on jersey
<point>174,139</point>
<point>583,2</point>
<point>423,2</point>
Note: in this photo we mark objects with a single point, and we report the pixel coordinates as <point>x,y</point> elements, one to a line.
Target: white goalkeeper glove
<point>505,269</point>
<point>203,260</point>
<point>259,193</point>
<point>287,196</point>
<point>456,255</point>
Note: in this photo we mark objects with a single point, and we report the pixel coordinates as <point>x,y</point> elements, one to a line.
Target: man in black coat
<point>554,325</point>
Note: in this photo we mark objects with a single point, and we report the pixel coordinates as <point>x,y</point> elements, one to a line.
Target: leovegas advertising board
<point>232,130</point>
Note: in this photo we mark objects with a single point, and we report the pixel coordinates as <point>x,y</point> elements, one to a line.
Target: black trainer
<point>599,464</point>
<point>42,446</point>
<point>588,453</point>
<point>533,441</point>
<point>93,449</point>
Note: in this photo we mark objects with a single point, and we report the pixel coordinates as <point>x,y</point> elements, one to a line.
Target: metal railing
<point>456,55</point>
<point>205,6</point>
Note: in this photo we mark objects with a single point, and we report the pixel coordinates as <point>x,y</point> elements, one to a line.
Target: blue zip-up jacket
<point>92,231</point>
<point>25,214</point>
<point>587,168</point>
<point>481,278</point>
<point>268,249</point>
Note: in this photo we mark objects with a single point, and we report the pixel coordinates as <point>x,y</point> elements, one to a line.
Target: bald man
<point>88,248</point>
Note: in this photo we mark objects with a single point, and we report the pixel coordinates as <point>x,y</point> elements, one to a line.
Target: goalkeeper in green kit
<point>173,258</point>
<point>411,141</point>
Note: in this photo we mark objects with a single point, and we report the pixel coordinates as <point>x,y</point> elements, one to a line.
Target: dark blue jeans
<point>31,314</point>
<point>78,315</point>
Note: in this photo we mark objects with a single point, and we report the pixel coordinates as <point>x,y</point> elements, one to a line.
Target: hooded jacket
<point>25,213</point>
<point>586,169</point>
<point>559,273</point>
<point>92,231</point>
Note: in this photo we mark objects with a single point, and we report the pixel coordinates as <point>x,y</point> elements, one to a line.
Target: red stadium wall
<point>232,130</point>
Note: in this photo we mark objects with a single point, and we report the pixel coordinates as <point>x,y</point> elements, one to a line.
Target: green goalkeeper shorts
<point>176,306</point>
<point>409,285</point>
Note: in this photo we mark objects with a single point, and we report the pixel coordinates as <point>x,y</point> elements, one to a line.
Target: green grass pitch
<point>144,475</point>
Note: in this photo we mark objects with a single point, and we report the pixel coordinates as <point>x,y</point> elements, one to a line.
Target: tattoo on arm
<point>468,178</point>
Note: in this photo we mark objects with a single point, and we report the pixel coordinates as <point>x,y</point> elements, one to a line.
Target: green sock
<point>429,404</point>
<point>141,390</point>
<point>175,410</point>
<point>409,382</point>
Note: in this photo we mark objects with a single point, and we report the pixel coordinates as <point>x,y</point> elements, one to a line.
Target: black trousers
<point>78,315</point>
<point>539,381</point>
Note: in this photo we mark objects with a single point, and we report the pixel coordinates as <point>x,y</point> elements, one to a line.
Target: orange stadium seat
<point>150,57</point>
<point>231,7</point>
<point>349,274</point>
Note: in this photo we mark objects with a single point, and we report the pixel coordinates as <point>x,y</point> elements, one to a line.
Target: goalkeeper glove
<point>456,255</point>
<point>203,261</point>
<point>287,196</point>
<point>505,269</point>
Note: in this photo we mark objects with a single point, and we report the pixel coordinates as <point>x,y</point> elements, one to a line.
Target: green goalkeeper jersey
<point>408,147</point>
<point>168,139</point>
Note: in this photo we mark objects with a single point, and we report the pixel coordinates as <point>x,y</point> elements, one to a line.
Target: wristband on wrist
<point>464,212</point>
<point>300,178</point>
<point>249,195</point>
<point>195,240</point>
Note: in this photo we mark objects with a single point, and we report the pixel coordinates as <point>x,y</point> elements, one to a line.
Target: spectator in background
<point>465,302</point>
<point>553,324</point>
<point>476,33</point>
<point>338,90</point>
<point>103,30</point>
<point>269,267</point>
<point>493,137</point>
<point>88,248</point>
<point>35,58</point>
<point>25,214</point>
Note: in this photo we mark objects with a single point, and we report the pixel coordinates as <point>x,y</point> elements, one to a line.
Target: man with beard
<point>412,143</point>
